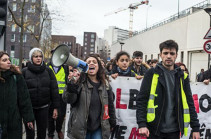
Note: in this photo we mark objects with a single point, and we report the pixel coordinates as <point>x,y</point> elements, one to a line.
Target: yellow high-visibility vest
<point>151,106</point>
<point>60,77</point>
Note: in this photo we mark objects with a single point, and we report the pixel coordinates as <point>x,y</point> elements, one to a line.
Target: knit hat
<point>137,54</point>
<point>32,52</point>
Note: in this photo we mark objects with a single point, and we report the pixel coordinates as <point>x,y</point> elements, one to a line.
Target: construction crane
<point>132,7</point>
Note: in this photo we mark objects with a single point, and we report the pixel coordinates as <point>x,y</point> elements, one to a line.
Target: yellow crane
<point>132,7</point>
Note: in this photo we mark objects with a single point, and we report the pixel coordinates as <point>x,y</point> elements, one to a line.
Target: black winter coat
<point>15,105</point>
<point>42,85</point>
<point>143,97</point>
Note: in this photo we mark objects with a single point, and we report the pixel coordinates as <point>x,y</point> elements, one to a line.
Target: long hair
<point>181,64</point>
<point>13,68</point>
<point>101,71</point>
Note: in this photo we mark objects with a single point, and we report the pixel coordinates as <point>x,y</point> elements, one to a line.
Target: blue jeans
<point>97,134</point>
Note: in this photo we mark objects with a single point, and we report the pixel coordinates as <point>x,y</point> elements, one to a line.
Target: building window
<point>85,39</point>
<point>10,18</point>
<point>84,52</point>
<point>13,48</point>
<point>14,7</point>
<point>85,43</point>
<point>33,1</point>
<point>32,9</point>
<point>13,27</point>
<point>25,38</point>
<point>92,45</point>
<point>145,58</point>
<point>182,57</point>
<point>26,18</point>
<point>13,38</point>
<point>12,52</point>
<point>31,28</point>
<point>86,35</point>
<point>93,36</point>
<point>91,52</point>
<point>92,40</point>
<point>85,48</point>
<point>92,49</point>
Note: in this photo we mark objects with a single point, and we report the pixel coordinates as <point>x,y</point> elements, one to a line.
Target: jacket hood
<point>162,67</point>
<point>32,51</point>
<point>176,68</point>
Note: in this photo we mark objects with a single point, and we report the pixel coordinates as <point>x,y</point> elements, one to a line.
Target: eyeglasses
<point>171,53</point>
<point>40,56</point>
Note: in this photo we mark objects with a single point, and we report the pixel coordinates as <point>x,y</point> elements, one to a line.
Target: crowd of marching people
<point>38,94</point>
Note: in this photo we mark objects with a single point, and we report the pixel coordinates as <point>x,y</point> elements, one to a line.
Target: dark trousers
<point>172,135</point>
<point>41,118</point>
<point>56,124</point>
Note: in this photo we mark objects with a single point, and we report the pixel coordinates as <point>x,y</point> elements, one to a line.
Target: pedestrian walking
<point>92,110</point>
<point>164,104</point>
<point>43,90</point>
<point>61,77</point>
<point>15,103</point>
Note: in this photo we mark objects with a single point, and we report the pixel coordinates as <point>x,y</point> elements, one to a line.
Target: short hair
<point>148,61</point>
<point>137,54</point>
<point>169,44</point>
<point>154,60</point>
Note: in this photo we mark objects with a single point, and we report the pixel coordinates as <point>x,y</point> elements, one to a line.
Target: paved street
<point>55,137</point>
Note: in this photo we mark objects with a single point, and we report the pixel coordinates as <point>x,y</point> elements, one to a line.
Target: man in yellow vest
<point>165,105</point>
<point>61,74</point>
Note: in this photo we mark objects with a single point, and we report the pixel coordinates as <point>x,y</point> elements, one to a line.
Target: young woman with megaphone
<point>92,111</point>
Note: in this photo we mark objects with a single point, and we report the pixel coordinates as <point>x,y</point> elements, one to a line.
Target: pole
<point>209,54</point>
<point>147,16</point>
<point>178,8</point>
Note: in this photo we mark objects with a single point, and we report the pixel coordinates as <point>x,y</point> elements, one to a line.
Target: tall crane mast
<point>132,7</point>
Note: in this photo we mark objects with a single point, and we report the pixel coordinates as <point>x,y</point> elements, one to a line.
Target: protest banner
<point>126,89</point>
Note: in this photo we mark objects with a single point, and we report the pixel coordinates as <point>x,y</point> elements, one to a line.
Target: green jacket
<point>15,105</point>
<point>79,98</point>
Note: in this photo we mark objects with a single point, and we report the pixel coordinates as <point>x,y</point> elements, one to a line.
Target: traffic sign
<point>207,46</point>
<point>208,34</point>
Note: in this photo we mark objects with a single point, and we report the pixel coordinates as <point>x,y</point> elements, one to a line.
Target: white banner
<point>126,89</point>
<point>126,114</point>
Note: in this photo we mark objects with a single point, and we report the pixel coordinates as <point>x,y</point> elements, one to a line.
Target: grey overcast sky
<point>79,16</point>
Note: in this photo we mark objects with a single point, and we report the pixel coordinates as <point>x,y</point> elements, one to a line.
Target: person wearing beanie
<point>43,90</point>
<point>138,66</point>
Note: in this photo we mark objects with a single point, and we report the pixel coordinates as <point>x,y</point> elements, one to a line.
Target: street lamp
<point>147,15</point>
<point>121,43</point>
<point>208,10</point>
<point>178,8</point>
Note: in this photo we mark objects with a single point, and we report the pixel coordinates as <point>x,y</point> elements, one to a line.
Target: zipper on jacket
<point>160,116</point>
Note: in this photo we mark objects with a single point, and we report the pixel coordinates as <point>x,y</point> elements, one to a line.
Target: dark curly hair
<point>101,71</point>
<point>118,55</point>
<point>181,64</point>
